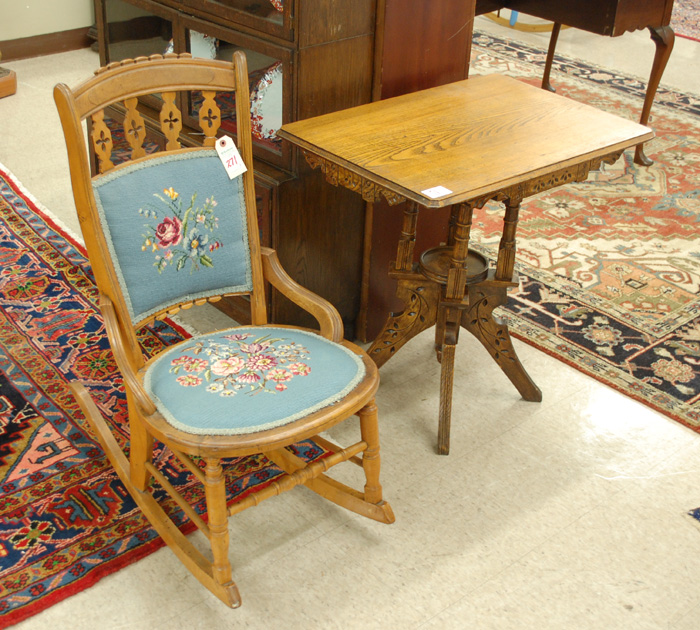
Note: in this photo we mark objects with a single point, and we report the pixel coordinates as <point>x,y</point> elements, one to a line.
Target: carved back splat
<point>134,126</point>
<point>170,121</point>
<point>102,141</point>
<point>209,118</point>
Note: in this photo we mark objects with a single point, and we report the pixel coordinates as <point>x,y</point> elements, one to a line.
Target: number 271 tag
<point>230,157</point>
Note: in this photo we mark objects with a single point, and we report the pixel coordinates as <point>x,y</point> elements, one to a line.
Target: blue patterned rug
<point>685,19</point>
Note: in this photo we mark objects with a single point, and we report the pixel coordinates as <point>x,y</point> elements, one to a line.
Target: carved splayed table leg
<point>484,297</point>
<point>419,295</point>
<point>493,333</point>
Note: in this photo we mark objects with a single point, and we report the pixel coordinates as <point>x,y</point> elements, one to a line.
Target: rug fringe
<point>188,328</point>
<point>48,215</point>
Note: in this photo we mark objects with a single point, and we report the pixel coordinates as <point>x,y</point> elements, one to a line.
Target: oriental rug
<point>610,268</point>
<point>66,520</point>
<point>695,515</point>
<point>685,19</point>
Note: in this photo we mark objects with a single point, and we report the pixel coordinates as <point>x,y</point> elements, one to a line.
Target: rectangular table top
<point>473,137</point>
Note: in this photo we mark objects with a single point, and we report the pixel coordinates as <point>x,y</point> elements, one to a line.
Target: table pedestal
<point>452,288</point>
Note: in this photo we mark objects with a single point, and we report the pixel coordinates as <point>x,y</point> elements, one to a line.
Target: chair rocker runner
<point>169,231</point>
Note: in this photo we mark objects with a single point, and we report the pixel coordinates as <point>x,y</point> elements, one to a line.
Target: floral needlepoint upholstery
<point>176,229</point>
<point>244,380</point>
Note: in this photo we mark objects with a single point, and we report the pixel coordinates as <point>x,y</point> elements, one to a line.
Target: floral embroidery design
<point>243,365</point>
<point>180,236</point>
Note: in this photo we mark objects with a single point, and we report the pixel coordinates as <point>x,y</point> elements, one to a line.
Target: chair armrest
<point>324,312</point>
<point>131,379</point>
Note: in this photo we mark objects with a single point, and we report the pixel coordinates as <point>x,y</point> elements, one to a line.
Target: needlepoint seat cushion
<point>244,380</point>
<point>164,219</point>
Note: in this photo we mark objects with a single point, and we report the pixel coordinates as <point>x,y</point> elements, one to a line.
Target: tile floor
<point>569,514</point>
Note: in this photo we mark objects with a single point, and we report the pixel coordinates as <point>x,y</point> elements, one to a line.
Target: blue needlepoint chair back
<point>176,229</point>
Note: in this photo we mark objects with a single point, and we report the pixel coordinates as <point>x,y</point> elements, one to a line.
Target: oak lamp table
<point>460,145</point>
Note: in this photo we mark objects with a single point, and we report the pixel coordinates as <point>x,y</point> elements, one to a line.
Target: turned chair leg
<point>369,430</point>
<point>141,450</point>
<point>215,490</point>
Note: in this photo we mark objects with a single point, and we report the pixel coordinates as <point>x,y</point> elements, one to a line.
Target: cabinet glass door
<point>133,31</point>
<point>273,17</point>
<point>268,85</point>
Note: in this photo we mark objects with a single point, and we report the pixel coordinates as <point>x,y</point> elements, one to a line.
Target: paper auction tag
<point>230,157</point>
<point>437,191</point>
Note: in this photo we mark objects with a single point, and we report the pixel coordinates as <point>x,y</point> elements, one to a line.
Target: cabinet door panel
<point>424,44</point>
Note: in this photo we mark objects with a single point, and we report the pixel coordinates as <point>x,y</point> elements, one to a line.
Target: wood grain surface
<point>473,137</point>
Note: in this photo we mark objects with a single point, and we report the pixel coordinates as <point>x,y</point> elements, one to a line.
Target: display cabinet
<point>305,58</point>
<point>142,28</point>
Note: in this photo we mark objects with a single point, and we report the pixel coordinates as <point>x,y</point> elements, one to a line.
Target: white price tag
<point>437,191</point>
<point>230,157</point>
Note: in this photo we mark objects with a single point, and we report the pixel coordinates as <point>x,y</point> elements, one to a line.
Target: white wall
<point>26,18</point>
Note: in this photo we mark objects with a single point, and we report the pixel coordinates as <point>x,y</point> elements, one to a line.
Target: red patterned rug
<point>685,19</point>
<point>610,268</point>
<point>65,518</point>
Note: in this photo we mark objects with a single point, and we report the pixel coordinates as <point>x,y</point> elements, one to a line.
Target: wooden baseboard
<point>39,45</point>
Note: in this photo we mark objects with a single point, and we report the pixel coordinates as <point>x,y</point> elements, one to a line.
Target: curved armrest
<point>131,379</point>
<point>324,312</point>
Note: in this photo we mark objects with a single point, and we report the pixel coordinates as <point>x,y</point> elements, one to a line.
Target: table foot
<point>640,157</point>
<point>420,297</point>
<point>493,334</point>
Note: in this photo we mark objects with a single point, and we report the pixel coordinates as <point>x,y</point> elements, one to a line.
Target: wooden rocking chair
<point>168,231</point>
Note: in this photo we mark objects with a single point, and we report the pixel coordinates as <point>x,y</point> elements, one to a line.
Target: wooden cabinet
<point>306,58</point>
